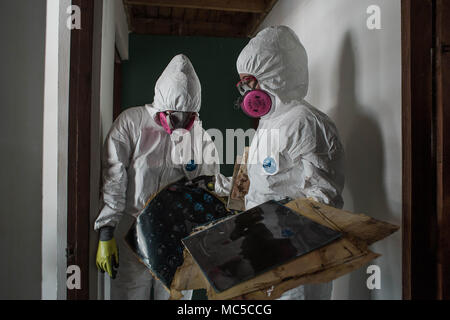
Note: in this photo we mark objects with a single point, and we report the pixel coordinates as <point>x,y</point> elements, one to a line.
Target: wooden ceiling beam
<point>254,6</point>
<point>179,27</point>
<point>254,25</point>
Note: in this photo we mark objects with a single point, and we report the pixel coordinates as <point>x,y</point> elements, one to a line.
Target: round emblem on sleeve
<point>270,166</point>
<point>191,166</point>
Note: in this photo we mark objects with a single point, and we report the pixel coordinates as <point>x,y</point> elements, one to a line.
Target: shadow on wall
<point>364,147</point>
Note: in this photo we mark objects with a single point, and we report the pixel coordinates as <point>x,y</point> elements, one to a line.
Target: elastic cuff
<point>106,233</point>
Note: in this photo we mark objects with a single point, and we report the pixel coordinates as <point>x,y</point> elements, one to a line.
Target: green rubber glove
<point>107,255</point>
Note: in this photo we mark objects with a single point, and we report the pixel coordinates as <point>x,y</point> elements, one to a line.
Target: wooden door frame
<point>79,159</point>
<point>82,111</point>
<point>426,138</point>
<point>442,45</point>
<point>419,171</point>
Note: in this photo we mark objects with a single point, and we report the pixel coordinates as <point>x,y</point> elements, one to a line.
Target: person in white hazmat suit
<point>142,154</point>
<point>296,152</point>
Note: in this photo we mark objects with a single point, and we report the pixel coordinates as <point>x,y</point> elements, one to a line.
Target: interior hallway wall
<point>22,56</point>
<point>355,77</point>
<point>214,60</point>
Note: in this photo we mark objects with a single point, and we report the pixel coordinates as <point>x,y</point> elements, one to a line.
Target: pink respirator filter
<point>256,103</point>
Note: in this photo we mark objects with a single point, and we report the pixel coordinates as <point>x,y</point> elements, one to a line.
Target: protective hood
<point>178,88</point>
<point>277,58</point>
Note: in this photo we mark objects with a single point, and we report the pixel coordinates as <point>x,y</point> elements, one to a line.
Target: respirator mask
<point>255,103</point>
<point>172,121</point>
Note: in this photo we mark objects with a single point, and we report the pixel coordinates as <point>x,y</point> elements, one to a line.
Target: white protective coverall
<point>138,160</point>
<point>306,158</point>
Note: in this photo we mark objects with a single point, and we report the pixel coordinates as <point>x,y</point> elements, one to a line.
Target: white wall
<point>22,54</point>
<point>356,79</point>
<point>55,151</point>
